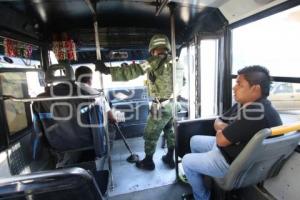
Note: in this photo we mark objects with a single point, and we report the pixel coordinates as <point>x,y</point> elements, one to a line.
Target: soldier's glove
<point>152,77</point>
<point>101,67</point>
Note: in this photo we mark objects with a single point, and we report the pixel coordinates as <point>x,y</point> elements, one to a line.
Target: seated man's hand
<point>221,140</point>
<point>112,120</point>
<point>111,117</point>
<point>219,124</point>
<point>101,67</point>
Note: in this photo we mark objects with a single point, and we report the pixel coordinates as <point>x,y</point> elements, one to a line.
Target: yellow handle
<point>278,130</point>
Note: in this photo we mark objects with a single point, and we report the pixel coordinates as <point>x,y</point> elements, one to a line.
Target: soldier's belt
<point>157,100</point>
<point>162,102</point>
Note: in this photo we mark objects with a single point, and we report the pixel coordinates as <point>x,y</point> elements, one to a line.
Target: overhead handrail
<point>161,7</point>
<point>35,99</point>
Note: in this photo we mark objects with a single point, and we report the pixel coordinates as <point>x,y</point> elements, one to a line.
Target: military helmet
<point>159,41</point>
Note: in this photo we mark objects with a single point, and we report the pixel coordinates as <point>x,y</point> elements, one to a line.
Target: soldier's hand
<point>152,77</point>
<point>101,67</point>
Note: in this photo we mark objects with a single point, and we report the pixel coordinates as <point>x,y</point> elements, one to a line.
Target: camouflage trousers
<point>155,125</point>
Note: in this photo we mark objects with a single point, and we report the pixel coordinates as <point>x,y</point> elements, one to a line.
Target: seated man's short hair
<point>83,74</point>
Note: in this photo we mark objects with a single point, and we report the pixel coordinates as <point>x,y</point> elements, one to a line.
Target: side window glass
<point>284,89</point>
<point>15,112</point>
<point>20,85</point>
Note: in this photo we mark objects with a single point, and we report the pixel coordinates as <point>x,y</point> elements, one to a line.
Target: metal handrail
<point>278,130</point>
<point>35,99</point>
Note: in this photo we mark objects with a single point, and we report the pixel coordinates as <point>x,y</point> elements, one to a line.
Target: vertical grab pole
<point>98,55</point>
<point>174,109</point>
<point>98,52</point>
<point>93,9</point>
<point>173,47</point>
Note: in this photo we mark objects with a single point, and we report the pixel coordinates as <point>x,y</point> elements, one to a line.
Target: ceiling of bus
<point>119,21</point>
<point>122,23</point>
<point>234,11</point>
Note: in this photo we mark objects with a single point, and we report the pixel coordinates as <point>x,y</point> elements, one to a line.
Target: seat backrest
<point>68,124</point>
<point>59,73</point>
<point>72,183</point>
<point>262,157</point>
<point>186,129</point>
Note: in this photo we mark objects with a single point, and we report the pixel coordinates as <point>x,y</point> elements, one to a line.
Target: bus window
<point>284,96</point>
<point>12,84</point>
<point>20,85</point>
<point>185,93</point>
<point>272,42</point>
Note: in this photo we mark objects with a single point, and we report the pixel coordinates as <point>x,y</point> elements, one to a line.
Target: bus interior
<point>211,39</point>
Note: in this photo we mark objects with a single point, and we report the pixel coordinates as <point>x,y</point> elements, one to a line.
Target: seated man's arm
<point>221,140</point>
<point>219,124</point>
<point>107,110</point>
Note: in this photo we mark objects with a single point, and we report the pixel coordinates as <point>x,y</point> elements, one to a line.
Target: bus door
<point>207,62</point>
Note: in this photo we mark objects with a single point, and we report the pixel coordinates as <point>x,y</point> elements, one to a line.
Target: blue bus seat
<point>70,183</point>
<point>58,120</point>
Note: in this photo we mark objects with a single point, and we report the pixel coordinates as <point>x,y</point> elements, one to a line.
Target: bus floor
<point>132,183</point>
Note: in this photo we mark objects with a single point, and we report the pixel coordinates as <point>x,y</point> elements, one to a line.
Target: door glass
<point>209,64</point>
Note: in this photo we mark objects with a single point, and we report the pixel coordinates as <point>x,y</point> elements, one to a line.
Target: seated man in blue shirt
<point>212,155</point>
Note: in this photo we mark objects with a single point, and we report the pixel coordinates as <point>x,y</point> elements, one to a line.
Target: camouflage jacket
<point>162,87</point>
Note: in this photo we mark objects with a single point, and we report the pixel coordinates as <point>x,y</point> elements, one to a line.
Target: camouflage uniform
<point>159,70</point>
<point>161,88</point>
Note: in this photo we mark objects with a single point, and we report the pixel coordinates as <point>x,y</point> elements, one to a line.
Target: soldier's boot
<point>146,164</point>
<point>168,158</point>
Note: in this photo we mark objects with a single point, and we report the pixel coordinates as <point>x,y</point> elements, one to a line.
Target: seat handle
<point>279,130</point>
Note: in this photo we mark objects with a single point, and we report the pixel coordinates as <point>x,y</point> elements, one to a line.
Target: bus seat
<point>58,120</point>
<point>71,183</point>
<point>262,157</point>
<point>185,129</point>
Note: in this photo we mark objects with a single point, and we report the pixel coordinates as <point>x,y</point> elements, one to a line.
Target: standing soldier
<point>160,87</point>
